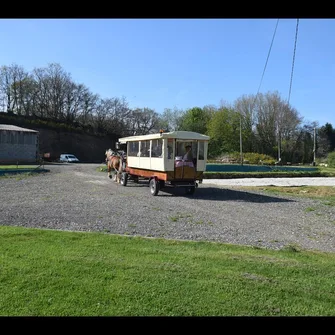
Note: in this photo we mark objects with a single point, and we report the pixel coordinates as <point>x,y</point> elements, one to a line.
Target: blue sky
<point>183,63</point>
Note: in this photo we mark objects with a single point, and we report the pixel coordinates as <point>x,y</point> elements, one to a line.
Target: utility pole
<point>279,158</point>
<point>241,149</point>
<point>314,148</point>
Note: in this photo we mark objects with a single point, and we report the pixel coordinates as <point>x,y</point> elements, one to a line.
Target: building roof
<point>16,128</point>
<point>184,135</point>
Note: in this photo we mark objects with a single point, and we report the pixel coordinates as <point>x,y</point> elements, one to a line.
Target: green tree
<point>326,139</point>
<point>221,131</point>
<point>195,119</point>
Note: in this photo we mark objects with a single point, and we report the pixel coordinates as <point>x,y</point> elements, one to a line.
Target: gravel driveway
<point>77,197</point>
<point>300,181</point>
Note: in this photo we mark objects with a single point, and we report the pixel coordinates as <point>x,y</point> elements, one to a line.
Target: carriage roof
<point>180,134</point>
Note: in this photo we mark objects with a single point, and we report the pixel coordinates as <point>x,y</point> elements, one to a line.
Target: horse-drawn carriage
<point>161,159</point>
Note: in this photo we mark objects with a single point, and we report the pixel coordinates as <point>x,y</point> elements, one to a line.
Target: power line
<point>295,46</point>
<point>274,34</point>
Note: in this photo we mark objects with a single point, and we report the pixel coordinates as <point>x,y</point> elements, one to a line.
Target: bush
<point>256,158</point>
<point>248,158</point>
<point>331,159</point>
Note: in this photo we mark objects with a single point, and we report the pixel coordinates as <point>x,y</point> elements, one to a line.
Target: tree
<point>325,134</point>
<point>221,132</point>
<point>142,121</point>
<point>276,124</point>
<point>244,106</point>
<point>170,119</point>
<point>6,87</point>
<point>54,86</point>
<point>195,119</point>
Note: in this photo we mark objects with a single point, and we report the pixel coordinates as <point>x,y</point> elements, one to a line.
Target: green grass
<point>15,167</point>
<point>324,193</point>
<point>330,172</point>
<point>31,169</point>
<point>55,273</point>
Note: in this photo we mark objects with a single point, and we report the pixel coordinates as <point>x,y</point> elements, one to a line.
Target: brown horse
<point>114,162</point>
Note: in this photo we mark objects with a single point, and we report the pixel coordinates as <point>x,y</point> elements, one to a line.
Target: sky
<point>185,63</point>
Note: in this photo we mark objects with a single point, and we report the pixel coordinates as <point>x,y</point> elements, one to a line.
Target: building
<point>18,145</point>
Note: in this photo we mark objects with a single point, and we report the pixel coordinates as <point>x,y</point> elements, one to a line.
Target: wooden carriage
<point>159,158</point>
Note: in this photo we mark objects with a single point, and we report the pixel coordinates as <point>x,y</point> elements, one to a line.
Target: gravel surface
<point>301,181</point>
<point>77,197</point>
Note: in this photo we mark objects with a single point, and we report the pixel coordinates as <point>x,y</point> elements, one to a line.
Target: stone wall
<point>87,148</point>
<point>58,140</point>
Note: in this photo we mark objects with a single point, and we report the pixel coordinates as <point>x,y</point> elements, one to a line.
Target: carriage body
<point>159,159</point>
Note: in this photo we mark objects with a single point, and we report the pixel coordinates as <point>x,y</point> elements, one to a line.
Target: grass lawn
<point>55,273</point>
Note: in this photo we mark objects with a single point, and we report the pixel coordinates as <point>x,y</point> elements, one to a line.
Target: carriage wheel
<point>124,179</point>
<point>190,190</point>
<point>154,186</point>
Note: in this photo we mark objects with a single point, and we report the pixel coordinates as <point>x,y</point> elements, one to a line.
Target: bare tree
<point>89,105</point>
<point>170,119</point>
<point>143,121</point>
<point>6,84</point>
<point>53,86</point>
<point>245,106</point>
<point>276,124</point>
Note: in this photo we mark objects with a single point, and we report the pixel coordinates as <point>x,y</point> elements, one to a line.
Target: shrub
<point>331,159</point>
<point>248,158</point>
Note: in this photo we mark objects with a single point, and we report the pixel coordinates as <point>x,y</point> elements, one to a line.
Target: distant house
<point>18,144</point>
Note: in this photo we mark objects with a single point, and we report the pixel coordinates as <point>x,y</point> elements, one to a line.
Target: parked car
<point>68,158</point>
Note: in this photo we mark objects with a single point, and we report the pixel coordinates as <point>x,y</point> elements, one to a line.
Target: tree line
<point>263,123</point>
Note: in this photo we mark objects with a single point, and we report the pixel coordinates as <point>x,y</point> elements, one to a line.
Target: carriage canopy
<point>180,134</point>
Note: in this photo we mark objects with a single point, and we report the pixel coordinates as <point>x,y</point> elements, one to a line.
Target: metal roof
<point>16,128</point>
<point>184,135</point>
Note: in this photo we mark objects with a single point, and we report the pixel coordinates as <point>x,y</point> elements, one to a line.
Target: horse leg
<point>109,170</point>
<point>115,174</point>
<point>120,170</point>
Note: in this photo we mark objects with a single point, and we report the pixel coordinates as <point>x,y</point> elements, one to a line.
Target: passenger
<point>188,155</point>
<point>156,151</point>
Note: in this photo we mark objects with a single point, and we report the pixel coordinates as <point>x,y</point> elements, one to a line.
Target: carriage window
<point>133,149</point>
<point>181,149</point>
<point>170,148</point>
<point>145,148</point>
<point>156,148</point>
<point>201,150</point>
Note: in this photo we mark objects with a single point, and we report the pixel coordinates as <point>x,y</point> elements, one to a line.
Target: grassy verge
<point>53,273</point>
<point>15,167</point>
<point>321,172</point>
<point>324,193</point>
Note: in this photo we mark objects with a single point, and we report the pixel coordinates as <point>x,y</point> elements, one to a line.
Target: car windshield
<point>71,156</point>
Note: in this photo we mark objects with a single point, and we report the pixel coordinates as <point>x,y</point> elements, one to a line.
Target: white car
<point>69,158</point>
